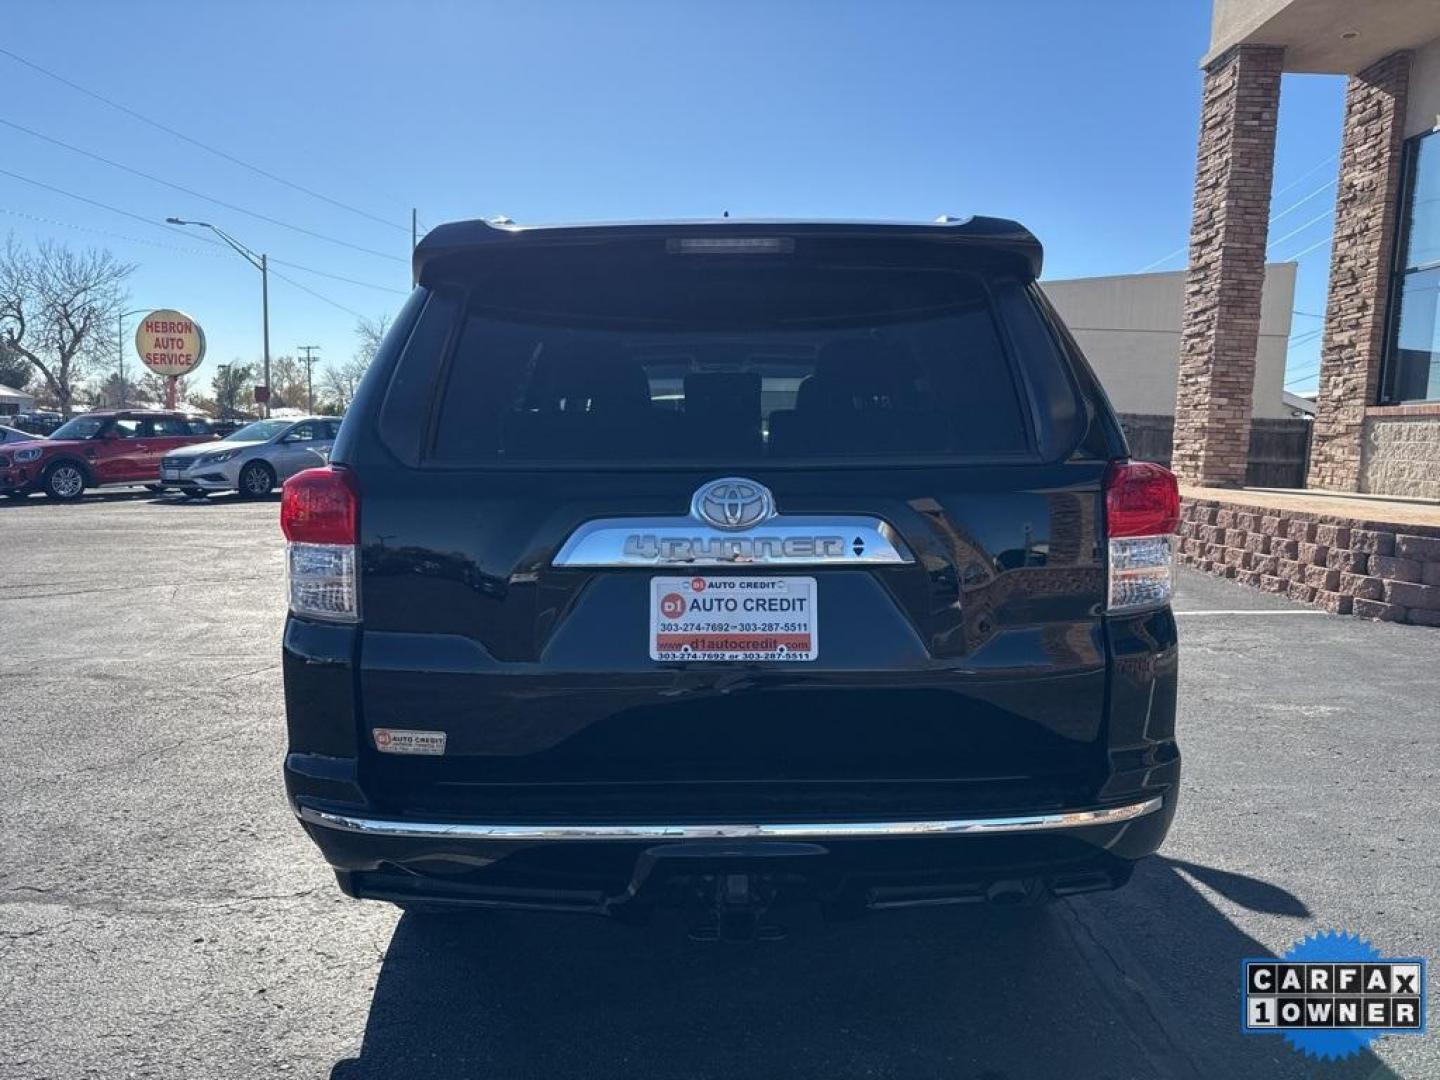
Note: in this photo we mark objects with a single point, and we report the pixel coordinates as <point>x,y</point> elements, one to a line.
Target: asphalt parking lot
<point>161,915</point>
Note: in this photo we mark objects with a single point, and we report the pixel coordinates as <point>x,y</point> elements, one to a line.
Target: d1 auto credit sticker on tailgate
<point>733,618</point>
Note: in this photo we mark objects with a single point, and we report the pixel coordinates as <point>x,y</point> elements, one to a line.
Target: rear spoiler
<point>458,240</point>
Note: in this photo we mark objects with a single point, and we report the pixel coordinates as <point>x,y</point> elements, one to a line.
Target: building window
<point>1412,369</point>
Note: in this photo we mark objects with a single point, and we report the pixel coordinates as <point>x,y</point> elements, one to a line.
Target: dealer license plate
<point>733,618</point>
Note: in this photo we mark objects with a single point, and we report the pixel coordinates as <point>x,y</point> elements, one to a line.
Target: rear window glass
<point>729,360</point>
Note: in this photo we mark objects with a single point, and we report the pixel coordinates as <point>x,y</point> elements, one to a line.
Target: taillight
<point>319,510</point>
<point>1142,512</point>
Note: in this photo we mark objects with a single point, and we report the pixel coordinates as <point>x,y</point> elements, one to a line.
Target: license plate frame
<point>714,618</point>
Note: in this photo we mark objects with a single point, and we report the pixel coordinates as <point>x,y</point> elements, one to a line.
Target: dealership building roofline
<point>1323,37</point>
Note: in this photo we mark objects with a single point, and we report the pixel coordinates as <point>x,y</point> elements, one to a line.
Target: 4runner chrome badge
<point>733,522</point>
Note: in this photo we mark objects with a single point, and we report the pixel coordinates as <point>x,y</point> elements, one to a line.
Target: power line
<point>103,206</point>
<point>105,232</point>
<point>1296,205</point>
<point>1298,230</point>
<point>1274,217</point>
<point>1306,251</point>
<point>196,142</point>
<point>1164,259</point>
<point>197,194</point>
<point>318,296</point>
<point>1305,175</point>
<point>338,277</point>
<point>170,228</point>
<point>216,243</point>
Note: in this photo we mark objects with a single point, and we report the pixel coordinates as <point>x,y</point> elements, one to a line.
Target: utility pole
<point>309,362</point>
<point>265,314</point>
<point>414,242</point>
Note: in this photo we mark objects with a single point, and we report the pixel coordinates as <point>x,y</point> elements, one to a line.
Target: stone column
<point>1365,219</point>
<point>1221,324</point>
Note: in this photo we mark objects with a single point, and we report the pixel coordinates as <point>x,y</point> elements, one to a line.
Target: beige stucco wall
<point>1399,456</point>
<point>1337,37</point>
<point>1422,112</point>
<point>1129,328</point>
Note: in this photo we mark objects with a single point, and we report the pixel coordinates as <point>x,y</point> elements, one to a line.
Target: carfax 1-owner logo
<point>1332,994</point>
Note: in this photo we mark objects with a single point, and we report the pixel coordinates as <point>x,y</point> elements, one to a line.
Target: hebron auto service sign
<point>170,342</point>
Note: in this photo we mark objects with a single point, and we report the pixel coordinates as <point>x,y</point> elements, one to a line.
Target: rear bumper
<point>504,832</point>
<point>209,478</point>
<point>18,478</point>
<point>614,869</point>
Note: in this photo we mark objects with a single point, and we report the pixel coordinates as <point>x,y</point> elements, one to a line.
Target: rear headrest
<point>590,375</point>
<point>723,394</point>
<point>860,374</point>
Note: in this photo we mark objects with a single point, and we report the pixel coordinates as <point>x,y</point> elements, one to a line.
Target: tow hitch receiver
<point>737,911</point>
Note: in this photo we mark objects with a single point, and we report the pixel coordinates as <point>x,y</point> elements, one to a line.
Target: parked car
<point>37,422</point>
<point>12,435</point>
<point>729,565</point>
<point>253,459</point>
<point>227,426</point>
<point>97,449</point>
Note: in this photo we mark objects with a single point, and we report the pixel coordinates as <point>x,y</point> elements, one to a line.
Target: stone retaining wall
<point>1402,445</point>
<point>1347,566</point>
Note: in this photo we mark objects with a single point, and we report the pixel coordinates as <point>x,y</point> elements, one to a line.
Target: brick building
<point>1363,540</point>
<point>1377,423</point>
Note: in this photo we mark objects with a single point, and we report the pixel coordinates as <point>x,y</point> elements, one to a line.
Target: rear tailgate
<point>978,666</point>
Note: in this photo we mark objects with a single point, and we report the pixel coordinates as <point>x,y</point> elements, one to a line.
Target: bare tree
<point>338,382</point>
<point>287,383</point>
<point>371,333</point>
<point>152,388</point>
<point>114,391</point>
<point>56,307</point>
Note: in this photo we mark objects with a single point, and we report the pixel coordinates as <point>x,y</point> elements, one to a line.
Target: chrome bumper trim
<point>1068,819</point>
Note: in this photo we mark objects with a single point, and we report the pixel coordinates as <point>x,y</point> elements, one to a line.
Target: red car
<point>99,448</point>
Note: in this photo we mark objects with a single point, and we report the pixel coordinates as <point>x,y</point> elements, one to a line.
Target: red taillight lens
<point>319,506</point>
<point>1141,499</point>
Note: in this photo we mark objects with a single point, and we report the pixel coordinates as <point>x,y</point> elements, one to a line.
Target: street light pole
<point>260,263</point>
<point>120,354</point>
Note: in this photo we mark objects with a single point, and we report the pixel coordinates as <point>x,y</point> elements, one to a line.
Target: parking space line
<point>1254,611</point>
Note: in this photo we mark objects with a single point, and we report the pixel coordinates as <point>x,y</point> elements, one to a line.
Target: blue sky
<point>1078,119</point>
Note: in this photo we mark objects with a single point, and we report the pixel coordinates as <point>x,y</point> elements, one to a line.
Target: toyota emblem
<point>733,503</point>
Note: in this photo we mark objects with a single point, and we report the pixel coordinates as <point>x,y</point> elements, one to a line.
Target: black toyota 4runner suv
<point>725,565</point>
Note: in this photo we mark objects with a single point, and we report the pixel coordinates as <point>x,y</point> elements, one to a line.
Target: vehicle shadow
<point>37,499</point>
<point>218,498</point>
<point>1144,982</point>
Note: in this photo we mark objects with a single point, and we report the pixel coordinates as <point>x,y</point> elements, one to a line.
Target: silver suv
<point>252,460</point>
